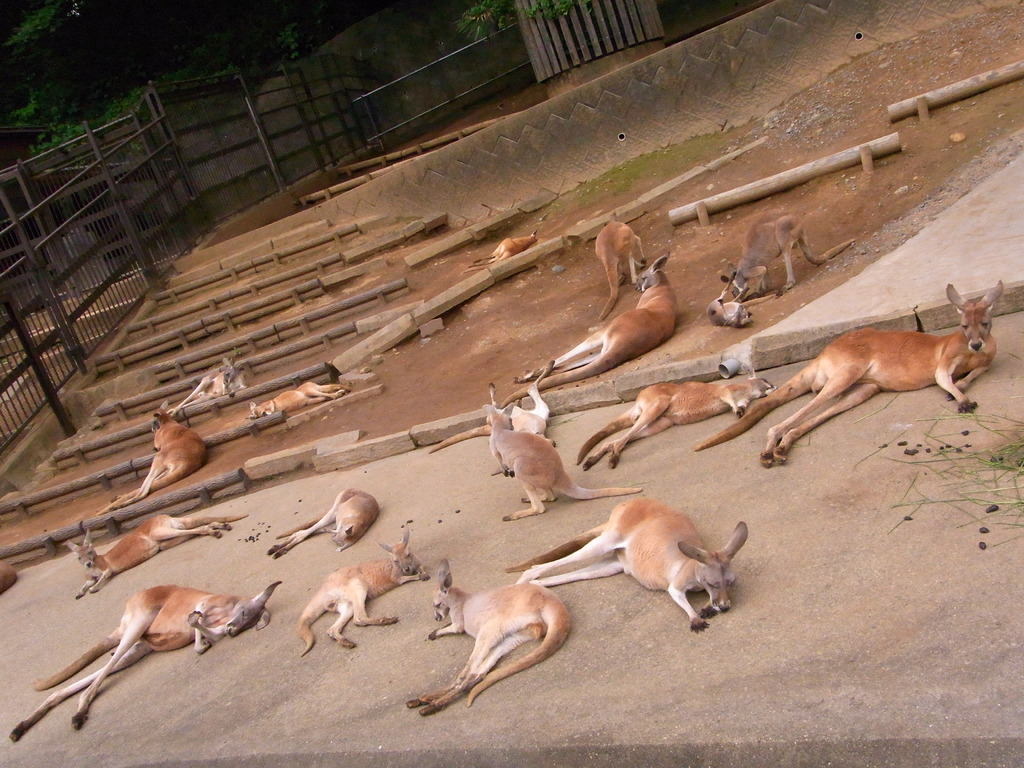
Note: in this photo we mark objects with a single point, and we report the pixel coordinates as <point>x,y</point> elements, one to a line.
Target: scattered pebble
<point>983,529</point>
<point>992,508</point>
<point>558,268</point>
<point>439,519</point>
<point>957,136</point>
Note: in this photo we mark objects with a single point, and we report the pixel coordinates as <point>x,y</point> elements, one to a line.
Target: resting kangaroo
<point>347,590</point>
<point>352,514</point>
<point>534,420</point>
<point>179,453</point>
<point>772,235</point>
<point>860,363</point>
<point>293,399</point>
<point>225,381</point>
<point>615,245</point>
<point>728,313</point>
<point>533,461</point>
<point>656,545</point>
<point>661,406</point>
<point>500,620</point>
<point>7,577</point>
<point>506,249</point>
<point>155,535</point>
<point>156,619</point>
<point>629,335</point>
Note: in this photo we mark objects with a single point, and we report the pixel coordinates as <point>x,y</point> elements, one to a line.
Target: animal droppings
<point>983,529</point>
<point>907,517</point>
<point>902,442</point>
<point>982,545</point>
<point>992,508</point>
<point>439,519</point>
<point>966,432</point>
<point>910,451</point>
<point>884,445</point>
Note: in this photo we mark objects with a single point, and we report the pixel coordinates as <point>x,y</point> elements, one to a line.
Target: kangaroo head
<point>342,536</point>
<point>653,275</point>
<point>442,605</point>
<point>255,411</point>
<point>403,560</point>
<point>499,418</point>
<point>759,387</point>
<point>85,552</point>
<point>251,613</point>
<point>975,315</point>
<point>714,572</point>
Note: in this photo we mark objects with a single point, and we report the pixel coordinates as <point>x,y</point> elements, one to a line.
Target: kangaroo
<point>506,249</point>
<point>534,420</point>
<point>156,534</point>
<point>7,577</point>
<point>352,514</point>
<point>224,381</point>
<point>179,453</point>
<point>500,620</point>
<point>661,406</point>
<point>626,337</point>
<point>656,545</point>
<point>860,363</point>
<point>730,314</point>
<point>772,235</point>
<point>347,590</point>
<point>156,619</point>
<point>293,399</point>
<point>533,460</point>
<point>614,245</point>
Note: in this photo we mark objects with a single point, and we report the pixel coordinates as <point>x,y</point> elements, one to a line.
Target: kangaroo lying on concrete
<point>661,406</point>
<point>500,620</point>
<point>347,590</point>
<point>293,399</point>
<point>352,514</point>
<point>506,249</point>
<point>615,246</point>
<point>533,461</point>
<point>656,545</point>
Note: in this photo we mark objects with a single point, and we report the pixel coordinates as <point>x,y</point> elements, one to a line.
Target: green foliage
<point>552,9</point>
<point>485,17</point>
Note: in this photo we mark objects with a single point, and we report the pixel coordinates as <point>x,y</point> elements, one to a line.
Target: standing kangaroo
<point>225,381</point>
<point>347,590</point>
<point>156,619</point>
<point>293,399</point>
<point>352,514</point>
<point>772,235</point>
<point>615,245</point>
<point>179,453</point>
<point>656,545</point>
<point>661,406</point>
<point>860,363</point>
<point>500,620</point>
<point>631,334</point>
<point>533,461</point>
<point>156,534</point>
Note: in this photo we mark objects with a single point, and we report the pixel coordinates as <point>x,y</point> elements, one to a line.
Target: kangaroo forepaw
<point>707,612</point>
<point>740,410</point>
<point>613,460</point>
<point>217,534</point>
<point>79,720</point>
<point>967,406</point>
<point>591,461</point>
<point>413,703</point>
<point>698,625</point>
<point>767,459</point>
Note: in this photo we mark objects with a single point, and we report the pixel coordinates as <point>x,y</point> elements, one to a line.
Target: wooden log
<point>881,147</point>
<point>956,91</point>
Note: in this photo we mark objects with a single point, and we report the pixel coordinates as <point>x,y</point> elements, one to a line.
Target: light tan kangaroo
<point>352,514</point>
<point>500,620</point>
<point>224,381</point>
<point>291,400</point>
<point>772,235</point>
<point>656,545</point>
<point>661,406</point>
<point>179,453</point>
<point>860,363</point>
<point>534,420</point>
<point>730,314</point>
<point>533,461</point>
<point>506,249</point>
<point>627,336</point>
<point>156,619</point>
<point>615,245</point>
<point>347,590</point>
<point>7,577</point>
<point>155,535</point>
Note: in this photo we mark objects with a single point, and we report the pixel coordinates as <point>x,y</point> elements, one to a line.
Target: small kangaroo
<point>500,620</point>
<point>772,235</point>
<point>533,460</point>
<point>661,406</point>
<point>730,314</point>
<point>507,248</point>
<point>224,381</point>
<point>615,245</point>
<point>293,399</point>
<point>352,514</point>
<point>347,590</point>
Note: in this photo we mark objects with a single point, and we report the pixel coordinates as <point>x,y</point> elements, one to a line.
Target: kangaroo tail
<point>578,492</point>
<point>560,551</point>
<point>558,626</point>
<point>609,305</point>
<point>87,658</point>
<point>759,409</point>
<point>313,611</point>
<point>611,428</point>
<point>600,365</point>
<point>310,524</point>
<point>198,521</point>
<point>829,254</point>
<point>468,434</point>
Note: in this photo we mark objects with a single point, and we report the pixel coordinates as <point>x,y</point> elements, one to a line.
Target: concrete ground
<point>858,637</point>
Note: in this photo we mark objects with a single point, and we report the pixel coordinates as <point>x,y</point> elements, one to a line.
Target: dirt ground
<point>539,314</point>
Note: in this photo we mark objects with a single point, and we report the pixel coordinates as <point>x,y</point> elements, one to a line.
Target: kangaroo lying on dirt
<point>500,620</point>
<point>533,461</point>
<point>728,313</point>
<point>615,245</point>
<point>293,399</point>
<point>347,590</point>
<point>860,363</point>
<point>156,534</point>
<point>656,545</point>
<point>7,577</point>
<point>661,406</point>
<point>156,619</point>
<point>226,380</point>
<point>507,248</point>
<point>772,235</point>
<point>352,514</point>
<point>628,336</point>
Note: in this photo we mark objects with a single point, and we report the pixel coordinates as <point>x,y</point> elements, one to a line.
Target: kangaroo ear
<point>444,574</point>
<point>507,410</point>
<point>405,537</point>
<point>954,298</point>
<point>737,540</point>
<point>264,619</point>
<point>694,553</point>
<point>990,298</point>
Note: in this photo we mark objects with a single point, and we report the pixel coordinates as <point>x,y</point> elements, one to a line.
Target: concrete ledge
<point>698,369</point>
<point>538,201</point>
<point>381,319</point>
<point>288,460</point>
<point>343,275</point>
<point>941,315</point>
<point>526,259</point>
<point>454,296</point>
<point>582,231</point>
<point>441,429</point>
<point>397,330</point>
<point>483,228</point>
<point>330,456</point>
<point>440,248</point>
<point>582,397</point>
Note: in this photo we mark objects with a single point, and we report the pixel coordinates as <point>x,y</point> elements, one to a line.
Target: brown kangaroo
<point>506,249</point>
<point>352,514</point>
<point>291,400</point>
<point>615,245</point>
